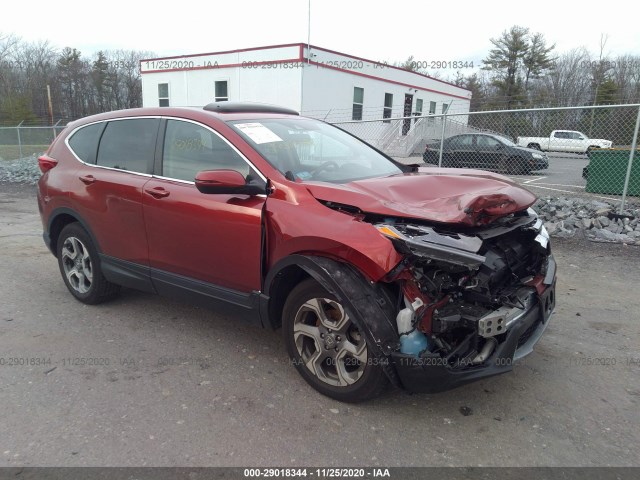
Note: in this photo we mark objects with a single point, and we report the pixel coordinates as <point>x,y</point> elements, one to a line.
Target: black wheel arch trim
<point>50,241</point>
<point>372,308</point>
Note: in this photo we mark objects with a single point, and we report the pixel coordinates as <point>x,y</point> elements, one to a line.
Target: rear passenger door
<point>195,237</point>
<point>561,142</point>
<point>490,154</point>
<point>117,158</point>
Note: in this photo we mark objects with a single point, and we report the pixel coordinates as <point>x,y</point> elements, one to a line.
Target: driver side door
<point>490,153</point>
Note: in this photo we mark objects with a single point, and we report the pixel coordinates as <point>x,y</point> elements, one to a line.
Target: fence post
<point>19,139</point>
<point>634,145</point>
<point>444,123</point>
<point>55,133</point>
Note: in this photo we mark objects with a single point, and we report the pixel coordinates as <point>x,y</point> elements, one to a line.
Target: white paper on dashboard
<point>258,132</point>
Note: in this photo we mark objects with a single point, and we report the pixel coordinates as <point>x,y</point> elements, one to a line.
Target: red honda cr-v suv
<point>376,271</point>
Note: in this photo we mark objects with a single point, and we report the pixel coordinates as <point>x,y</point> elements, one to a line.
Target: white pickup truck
<point>564,141</point>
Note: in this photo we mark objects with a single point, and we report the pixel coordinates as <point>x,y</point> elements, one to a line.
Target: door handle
<point>157,192</point>
<point>87,179</point>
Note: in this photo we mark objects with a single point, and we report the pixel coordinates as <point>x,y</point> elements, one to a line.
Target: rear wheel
<point>591,149</point>
<point>535,146</point>
<point>327,348</point>
<point>80,266</point>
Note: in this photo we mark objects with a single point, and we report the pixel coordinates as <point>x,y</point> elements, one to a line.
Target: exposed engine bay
<point>462,290</point>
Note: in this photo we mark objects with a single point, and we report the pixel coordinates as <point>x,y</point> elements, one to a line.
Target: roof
<point>301,58</point>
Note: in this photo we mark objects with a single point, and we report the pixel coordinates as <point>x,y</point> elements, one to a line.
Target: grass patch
<point>12,152</point>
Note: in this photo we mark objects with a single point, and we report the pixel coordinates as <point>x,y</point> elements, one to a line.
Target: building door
<point>408,104</point>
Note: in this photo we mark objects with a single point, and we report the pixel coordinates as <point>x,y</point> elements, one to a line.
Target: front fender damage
<point>369,304</point>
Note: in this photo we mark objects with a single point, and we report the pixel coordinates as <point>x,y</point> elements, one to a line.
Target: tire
<point>80,267</point>
<point>591,149</point>
<point>317,329</point>
<point>535,146</point>
<point>517,166</point>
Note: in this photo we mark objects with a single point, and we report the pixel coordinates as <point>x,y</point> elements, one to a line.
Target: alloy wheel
<point>330,345</point>
<point>76,262</point>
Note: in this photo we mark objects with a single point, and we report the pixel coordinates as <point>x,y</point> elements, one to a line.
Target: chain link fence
<point>583,151</point>
<point>568,151</point>
<point>25,141</point>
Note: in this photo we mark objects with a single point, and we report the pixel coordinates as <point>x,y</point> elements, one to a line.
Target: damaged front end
<point>471,300</point>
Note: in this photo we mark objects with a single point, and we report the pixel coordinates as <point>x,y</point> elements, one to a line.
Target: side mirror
<point>226,182</point>
<point>499,146</point>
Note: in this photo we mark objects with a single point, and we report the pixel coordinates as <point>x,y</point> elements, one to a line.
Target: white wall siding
<point>322,88</point>
<point>192,79</point>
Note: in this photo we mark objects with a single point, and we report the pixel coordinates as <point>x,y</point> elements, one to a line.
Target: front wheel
<point>327,348</point>
<point>517,166</point>
<point>80,266</point>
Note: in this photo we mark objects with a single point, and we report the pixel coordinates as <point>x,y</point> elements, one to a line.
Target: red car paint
<point>434,196</point>
<point>171,226</point>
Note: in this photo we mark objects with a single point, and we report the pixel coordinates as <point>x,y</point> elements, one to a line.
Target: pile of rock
<point>600,221</point>
<point>23,170</point>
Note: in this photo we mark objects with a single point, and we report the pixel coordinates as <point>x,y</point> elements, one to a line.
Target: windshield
<point>307,149</point>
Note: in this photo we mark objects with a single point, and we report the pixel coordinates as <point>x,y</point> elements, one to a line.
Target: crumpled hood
<point>445,195</point>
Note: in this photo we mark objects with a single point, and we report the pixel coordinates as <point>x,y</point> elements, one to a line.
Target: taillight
<point>46,163</point>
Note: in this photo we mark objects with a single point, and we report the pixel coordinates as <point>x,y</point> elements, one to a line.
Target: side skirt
<point>189,290</point>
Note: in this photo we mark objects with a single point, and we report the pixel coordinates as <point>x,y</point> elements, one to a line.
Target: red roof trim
<point>388,81</point>
<point>227,65</point>
<point>386,65</point>
<point>225,52</point>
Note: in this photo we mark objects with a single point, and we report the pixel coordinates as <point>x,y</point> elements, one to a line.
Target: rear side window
<point>486,142</point>
<point>129,144</point>
<point>84,142</point>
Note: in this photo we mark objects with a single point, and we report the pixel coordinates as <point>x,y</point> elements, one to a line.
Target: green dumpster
<point>608,168</point>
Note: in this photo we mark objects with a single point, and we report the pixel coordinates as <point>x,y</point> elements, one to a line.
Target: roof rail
<point>247,107</point>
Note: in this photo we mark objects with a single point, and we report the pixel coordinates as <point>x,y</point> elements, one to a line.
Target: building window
<point>418,111</point>
<point>163,94</point>
<point>222,91</point>
<point>388,104</point>
<point>432,107</point>
<point>358,101</point>
<point>445,107</point>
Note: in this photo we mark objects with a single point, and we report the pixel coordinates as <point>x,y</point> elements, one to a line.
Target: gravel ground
<point>597,220</point>
<point>24,170</point>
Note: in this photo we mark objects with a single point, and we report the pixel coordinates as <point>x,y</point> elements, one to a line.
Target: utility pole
<point>50,105</point>
<point>309,33</point>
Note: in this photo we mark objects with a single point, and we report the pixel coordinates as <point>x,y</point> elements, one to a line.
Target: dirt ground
<point>144,380</point>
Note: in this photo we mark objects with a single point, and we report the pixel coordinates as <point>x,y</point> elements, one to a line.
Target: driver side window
<point>462,142</point>
<point>190,148</point>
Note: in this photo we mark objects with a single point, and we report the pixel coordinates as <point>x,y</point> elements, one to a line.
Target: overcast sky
<point>374,29</point>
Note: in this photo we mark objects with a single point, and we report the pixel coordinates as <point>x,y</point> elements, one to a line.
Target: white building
<point>315,81</point>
